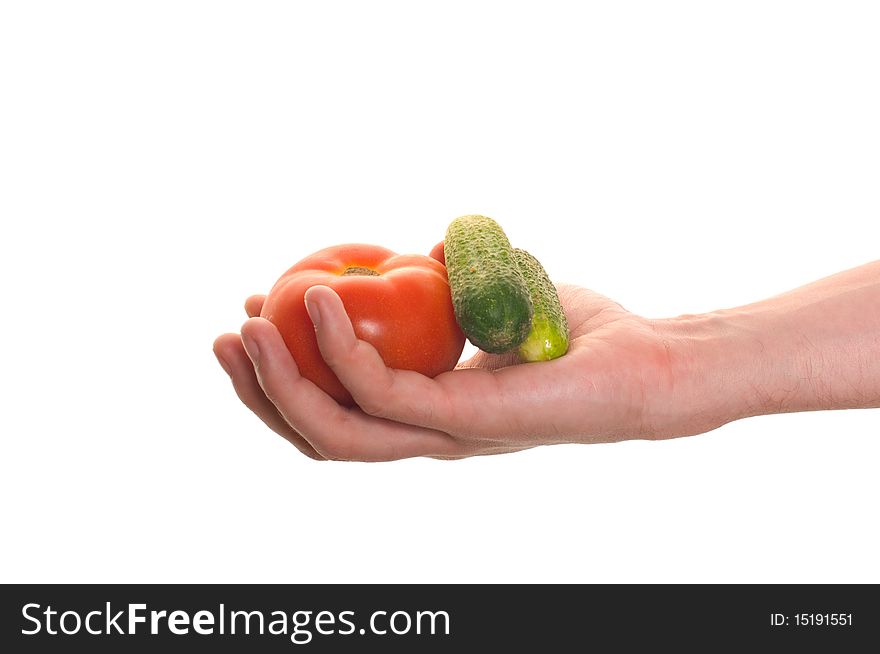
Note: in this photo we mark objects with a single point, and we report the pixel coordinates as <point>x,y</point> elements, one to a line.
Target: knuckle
<point>339,357</point>
<point>371,404</point>
<point>373,393</point>
<point>331,358</point>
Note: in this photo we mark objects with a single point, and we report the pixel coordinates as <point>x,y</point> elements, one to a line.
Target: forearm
<point>817,347</point>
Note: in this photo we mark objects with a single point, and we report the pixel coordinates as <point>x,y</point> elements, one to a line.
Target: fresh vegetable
<point>398,303</point>
<point>548,338</point>
<point>489,293</point>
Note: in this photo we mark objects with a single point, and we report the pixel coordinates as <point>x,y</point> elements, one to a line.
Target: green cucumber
<point>548,338</point>
<point>490,297</point>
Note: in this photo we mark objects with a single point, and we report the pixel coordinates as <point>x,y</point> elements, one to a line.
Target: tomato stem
<point>360,270</point>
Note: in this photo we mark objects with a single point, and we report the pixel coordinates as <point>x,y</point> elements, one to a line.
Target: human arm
<point>624,377</point>
<point>816,347</point>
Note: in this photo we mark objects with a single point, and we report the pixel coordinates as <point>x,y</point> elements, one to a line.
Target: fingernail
<point>224,364</point>
<point>251,347</point>
<point>314,312</point>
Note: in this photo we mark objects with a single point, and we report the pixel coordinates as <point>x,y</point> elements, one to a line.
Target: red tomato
<point>398,303</point>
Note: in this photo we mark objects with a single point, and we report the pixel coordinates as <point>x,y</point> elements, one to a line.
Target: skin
<point>624,377</point>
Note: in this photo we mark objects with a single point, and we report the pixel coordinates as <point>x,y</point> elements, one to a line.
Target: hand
<point>625,376</point>
<point>616,382</point>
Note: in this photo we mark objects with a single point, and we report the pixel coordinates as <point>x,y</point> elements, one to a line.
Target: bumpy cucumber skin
<point>489,295</point>
<point>548,338</point>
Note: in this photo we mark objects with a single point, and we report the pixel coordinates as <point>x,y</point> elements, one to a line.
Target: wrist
<point>728,365</point>
<point>813,348</point>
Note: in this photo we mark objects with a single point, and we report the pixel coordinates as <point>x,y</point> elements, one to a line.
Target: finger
<point>437,252</point>
<point>472,402</point>
<point>334,431</point>
<point>253,305</point>
<point>234,360</point>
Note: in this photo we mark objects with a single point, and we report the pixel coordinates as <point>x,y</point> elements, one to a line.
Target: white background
<point>161,161</point>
